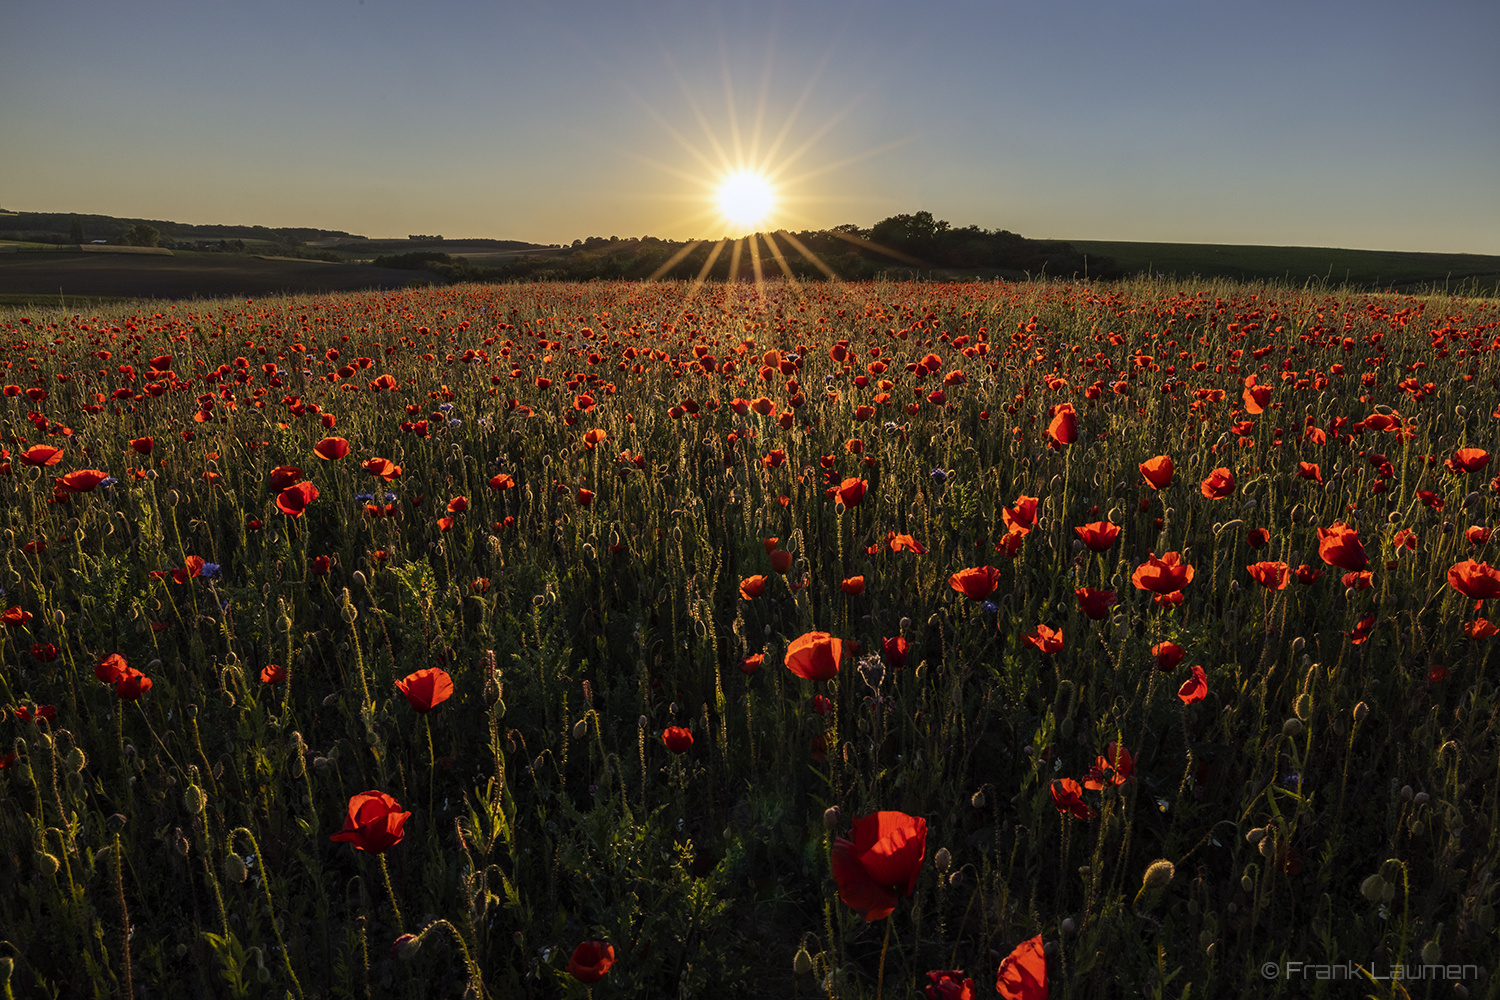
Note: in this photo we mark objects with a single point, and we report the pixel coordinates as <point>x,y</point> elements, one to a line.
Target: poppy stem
<point>385,872</point>
<point>431,765</point>
<point>880,975</point>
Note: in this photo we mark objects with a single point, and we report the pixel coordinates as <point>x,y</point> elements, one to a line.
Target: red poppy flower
<point>677,739</point>
<point>192,567</point>
<point>1310,470</point>
<point>1021,516</point>
<point>143,445</point>
<point>1162,576</point>
<point>1359,581</point>
<point>1475,580</point>
<point>585,497</point>
<point>1480,629</point>
<point>1477,534</point>
<point>502,481</point>
<point>82,480</point>
<point>815,656</point>
<point>1271,575</point>
<point>374,823</point>
<point>752,587</point>
<point>774,458</point>
<point>132,685</point>
<point>1168,655</point>
<point>852,491</point>
<point>975,583</point>
<point>320,564</point>
<point>382,467</point>
<point>595,437</point>
<point>331,448</point>
<point>1098,536</point>
<point>1116,767</point>
<point>1045,639</point>
<point>1023,973</point>
<point>284,476</point>
<point>1339,545</point>
<point>15,617</point>
<point>948,985</point>
<point>111,668</point>
<point>905,543</point>
<point>40,455</point>
<point>426,689</point>
<point>854,586</point>
<point>1362,629</point>
<point>293,500</point>
<point>1255,397</point>
<point>1095,603</point>
<point>881,863</point>
<point>1063,428</point>
<point>895,650</point>
<point>750,664</point>
<point>1468,460</point>
<point>781,561</point>
<point>590,961</point>
<point>458,505</point>
<point>1195,688</point>
<point>272,673</point>
<point>1219,484</point>
<point>1256,537</point>
<point>1307,575</point>
<point>1157,471</point>
<point>1067,796</point>
<point>43,652</point>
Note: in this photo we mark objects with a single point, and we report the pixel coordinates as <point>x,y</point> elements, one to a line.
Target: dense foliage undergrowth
<point>616,517</point>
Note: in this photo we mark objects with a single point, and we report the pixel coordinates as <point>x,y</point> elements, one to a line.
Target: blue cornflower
<point>108,481</point>
<point>363,497</point>
<point>445,407</point>
<point>390,498</point>
<point>455,422</point>
<point>209,570</point>
<point>989,607</point>
<point>939,476</point>
<point>1292,781</point>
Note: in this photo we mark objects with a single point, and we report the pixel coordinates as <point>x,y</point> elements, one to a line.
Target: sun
<point>746,198</point>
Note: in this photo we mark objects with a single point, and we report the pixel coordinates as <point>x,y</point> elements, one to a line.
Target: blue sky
<point>1318,123</point>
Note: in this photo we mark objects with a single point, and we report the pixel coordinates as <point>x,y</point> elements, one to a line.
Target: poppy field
<point>836,639</point>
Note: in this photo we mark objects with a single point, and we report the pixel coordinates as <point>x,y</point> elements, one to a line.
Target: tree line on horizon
<point>916,244</point>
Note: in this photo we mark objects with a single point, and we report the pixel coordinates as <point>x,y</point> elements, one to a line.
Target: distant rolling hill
<point>1372,269</point>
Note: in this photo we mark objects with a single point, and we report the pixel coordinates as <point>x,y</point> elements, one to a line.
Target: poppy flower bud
<point>1372,888</point>
<point>1255,836</point>
<point>235,869</point>
<point>831,818</point>
<point>406,946</point>
<point>977,800</point>
<point>48,864</point>
<point>59,617</point>
<point>580,729</point>
<point>942,860</point>
<point>75,760</point>
<point>802,962</point>
<point>1158,875</point>
<point>1360,711</point>
<point>115,823</point>
<point>1292,727</point>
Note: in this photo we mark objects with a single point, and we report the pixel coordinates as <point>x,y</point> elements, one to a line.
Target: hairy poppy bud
<point>1158,875</point>
<point>1292,727</point>
<point>75,760</point>
<point>1372,888</point>
<point>115,823</point>
<point>977,800</point>
<point>193,800</point>
<point>802,962</point>
<point>580,729</point>
<point>235,869</point>
<point>47,863</point>
<point>1360,711</point>
<point>831,818</point>
<point>406,946</point>
<point>942,860</point>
